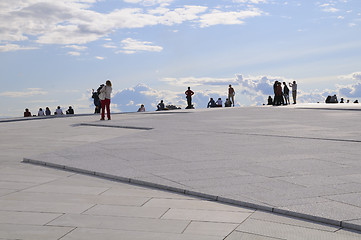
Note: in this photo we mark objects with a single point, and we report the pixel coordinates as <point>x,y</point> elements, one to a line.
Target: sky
<point>53,53</point>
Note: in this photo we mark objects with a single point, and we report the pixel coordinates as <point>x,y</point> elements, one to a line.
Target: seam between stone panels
<point>206,196</point>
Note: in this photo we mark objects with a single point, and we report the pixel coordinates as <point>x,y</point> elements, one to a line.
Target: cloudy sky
<point>54,52</point>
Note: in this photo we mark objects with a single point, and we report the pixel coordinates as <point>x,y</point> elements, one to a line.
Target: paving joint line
<point>201,195</point>
<point>111,126</point>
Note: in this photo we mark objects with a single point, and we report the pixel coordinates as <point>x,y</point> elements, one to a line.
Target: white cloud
<point>74,53</point>
<point>14,47</point>
<point>227,18</point>
<point>77,47</point>
<point>151,2</point>
<point>100,58</point>
<point>75,22</point>
<point>250,1</point>
<point>130,46</point>
<point>29,92</point>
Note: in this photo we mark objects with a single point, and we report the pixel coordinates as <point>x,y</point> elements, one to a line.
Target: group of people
<point>281,96</point>
<point>47,112</point>
<point>102,99</point>
<point>229,101</point>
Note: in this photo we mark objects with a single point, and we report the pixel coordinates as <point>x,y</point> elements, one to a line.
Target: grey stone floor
<point>45,203</point>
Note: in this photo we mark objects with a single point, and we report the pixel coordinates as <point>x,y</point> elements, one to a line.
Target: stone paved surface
<point>296,161</point>
<point>46,203</point>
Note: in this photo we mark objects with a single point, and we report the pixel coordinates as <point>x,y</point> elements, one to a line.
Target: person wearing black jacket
<point>286,93</point>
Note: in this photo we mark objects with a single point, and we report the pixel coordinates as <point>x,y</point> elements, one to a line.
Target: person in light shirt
<point>41,112</point>
<point>58,111</point>
<point>142,108</point>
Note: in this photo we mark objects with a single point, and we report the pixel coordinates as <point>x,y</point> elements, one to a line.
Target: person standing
<point>189,93</point>
<point>294,91</point>
<point>97,103</point>
<point>105,96</point>
<point>286,93</point>
<point>231,94</point>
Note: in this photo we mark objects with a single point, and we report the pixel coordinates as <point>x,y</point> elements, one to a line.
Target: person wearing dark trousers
<point>286,93</point>
<point>189,93</point>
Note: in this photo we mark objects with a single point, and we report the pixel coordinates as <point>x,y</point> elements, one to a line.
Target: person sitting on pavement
<point>142,108</point>
<point>219,102</point>
<point>211,103</point>
<point>70,110</point>
<point>227,103</point>
<point>160,106</point>
<point>47,111</point>
<point>58,111</point>
<point>41,112</point>
<point>27,113</point>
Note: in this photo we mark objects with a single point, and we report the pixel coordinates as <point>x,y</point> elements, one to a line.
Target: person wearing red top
<point>231,94</point>
<point>189,93</point>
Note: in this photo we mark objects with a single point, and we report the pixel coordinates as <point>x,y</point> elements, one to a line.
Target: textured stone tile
<point>69,188</point>
<point>76,198</point>
<point>122,223</point>
<point>50,207</point>
<point>30,232</point>
<point>236,235</point>
<point>127,211</point>
<point>278,218</point>
<point>30,218</point>
<point>331,210</point>
<point>284,231</point>
<point>210,228</point>
<point>194,204</point>
<point>111,234</point>
<point>206,215</point>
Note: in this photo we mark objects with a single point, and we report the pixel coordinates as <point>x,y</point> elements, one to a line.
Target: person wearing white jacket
<point>105,96</point>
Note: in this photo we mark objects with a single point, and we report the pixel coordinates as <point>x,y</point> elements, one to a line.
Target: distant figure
<point>231,94</point>
<point>105,96</point>
<point>341,101</point>
<point>27,113</point>
<point>278,91</point>
<point>274,91</point>
<point>58,111</point>
<point>334,99</point>
<point>142,108</point>
<point>211,103</point>
<point>189,93</point>
<point>219,102</point>
<point>270,100</point>
<point>47,111</point>
<point>227,103</point>
<point>160,106</point>
<point>41,112</point>
<point>328,99</point>
<point>294,91</point>
<point>97,102</point>
<point>286,93</point>
<point>356,101</point>
<point>70,110</point>
<point>348,101</point>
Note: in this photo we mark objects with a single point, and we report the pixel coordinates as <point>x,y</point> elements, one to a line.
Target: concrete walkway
<point>199,151</point>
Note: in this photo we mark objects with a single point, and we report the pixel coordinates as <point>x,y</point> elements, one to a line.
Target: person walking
<point>105,96</point>
<point>286,93</point>
<point>294,91</point>
<point>189,93</point>
<point>231,94</point>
